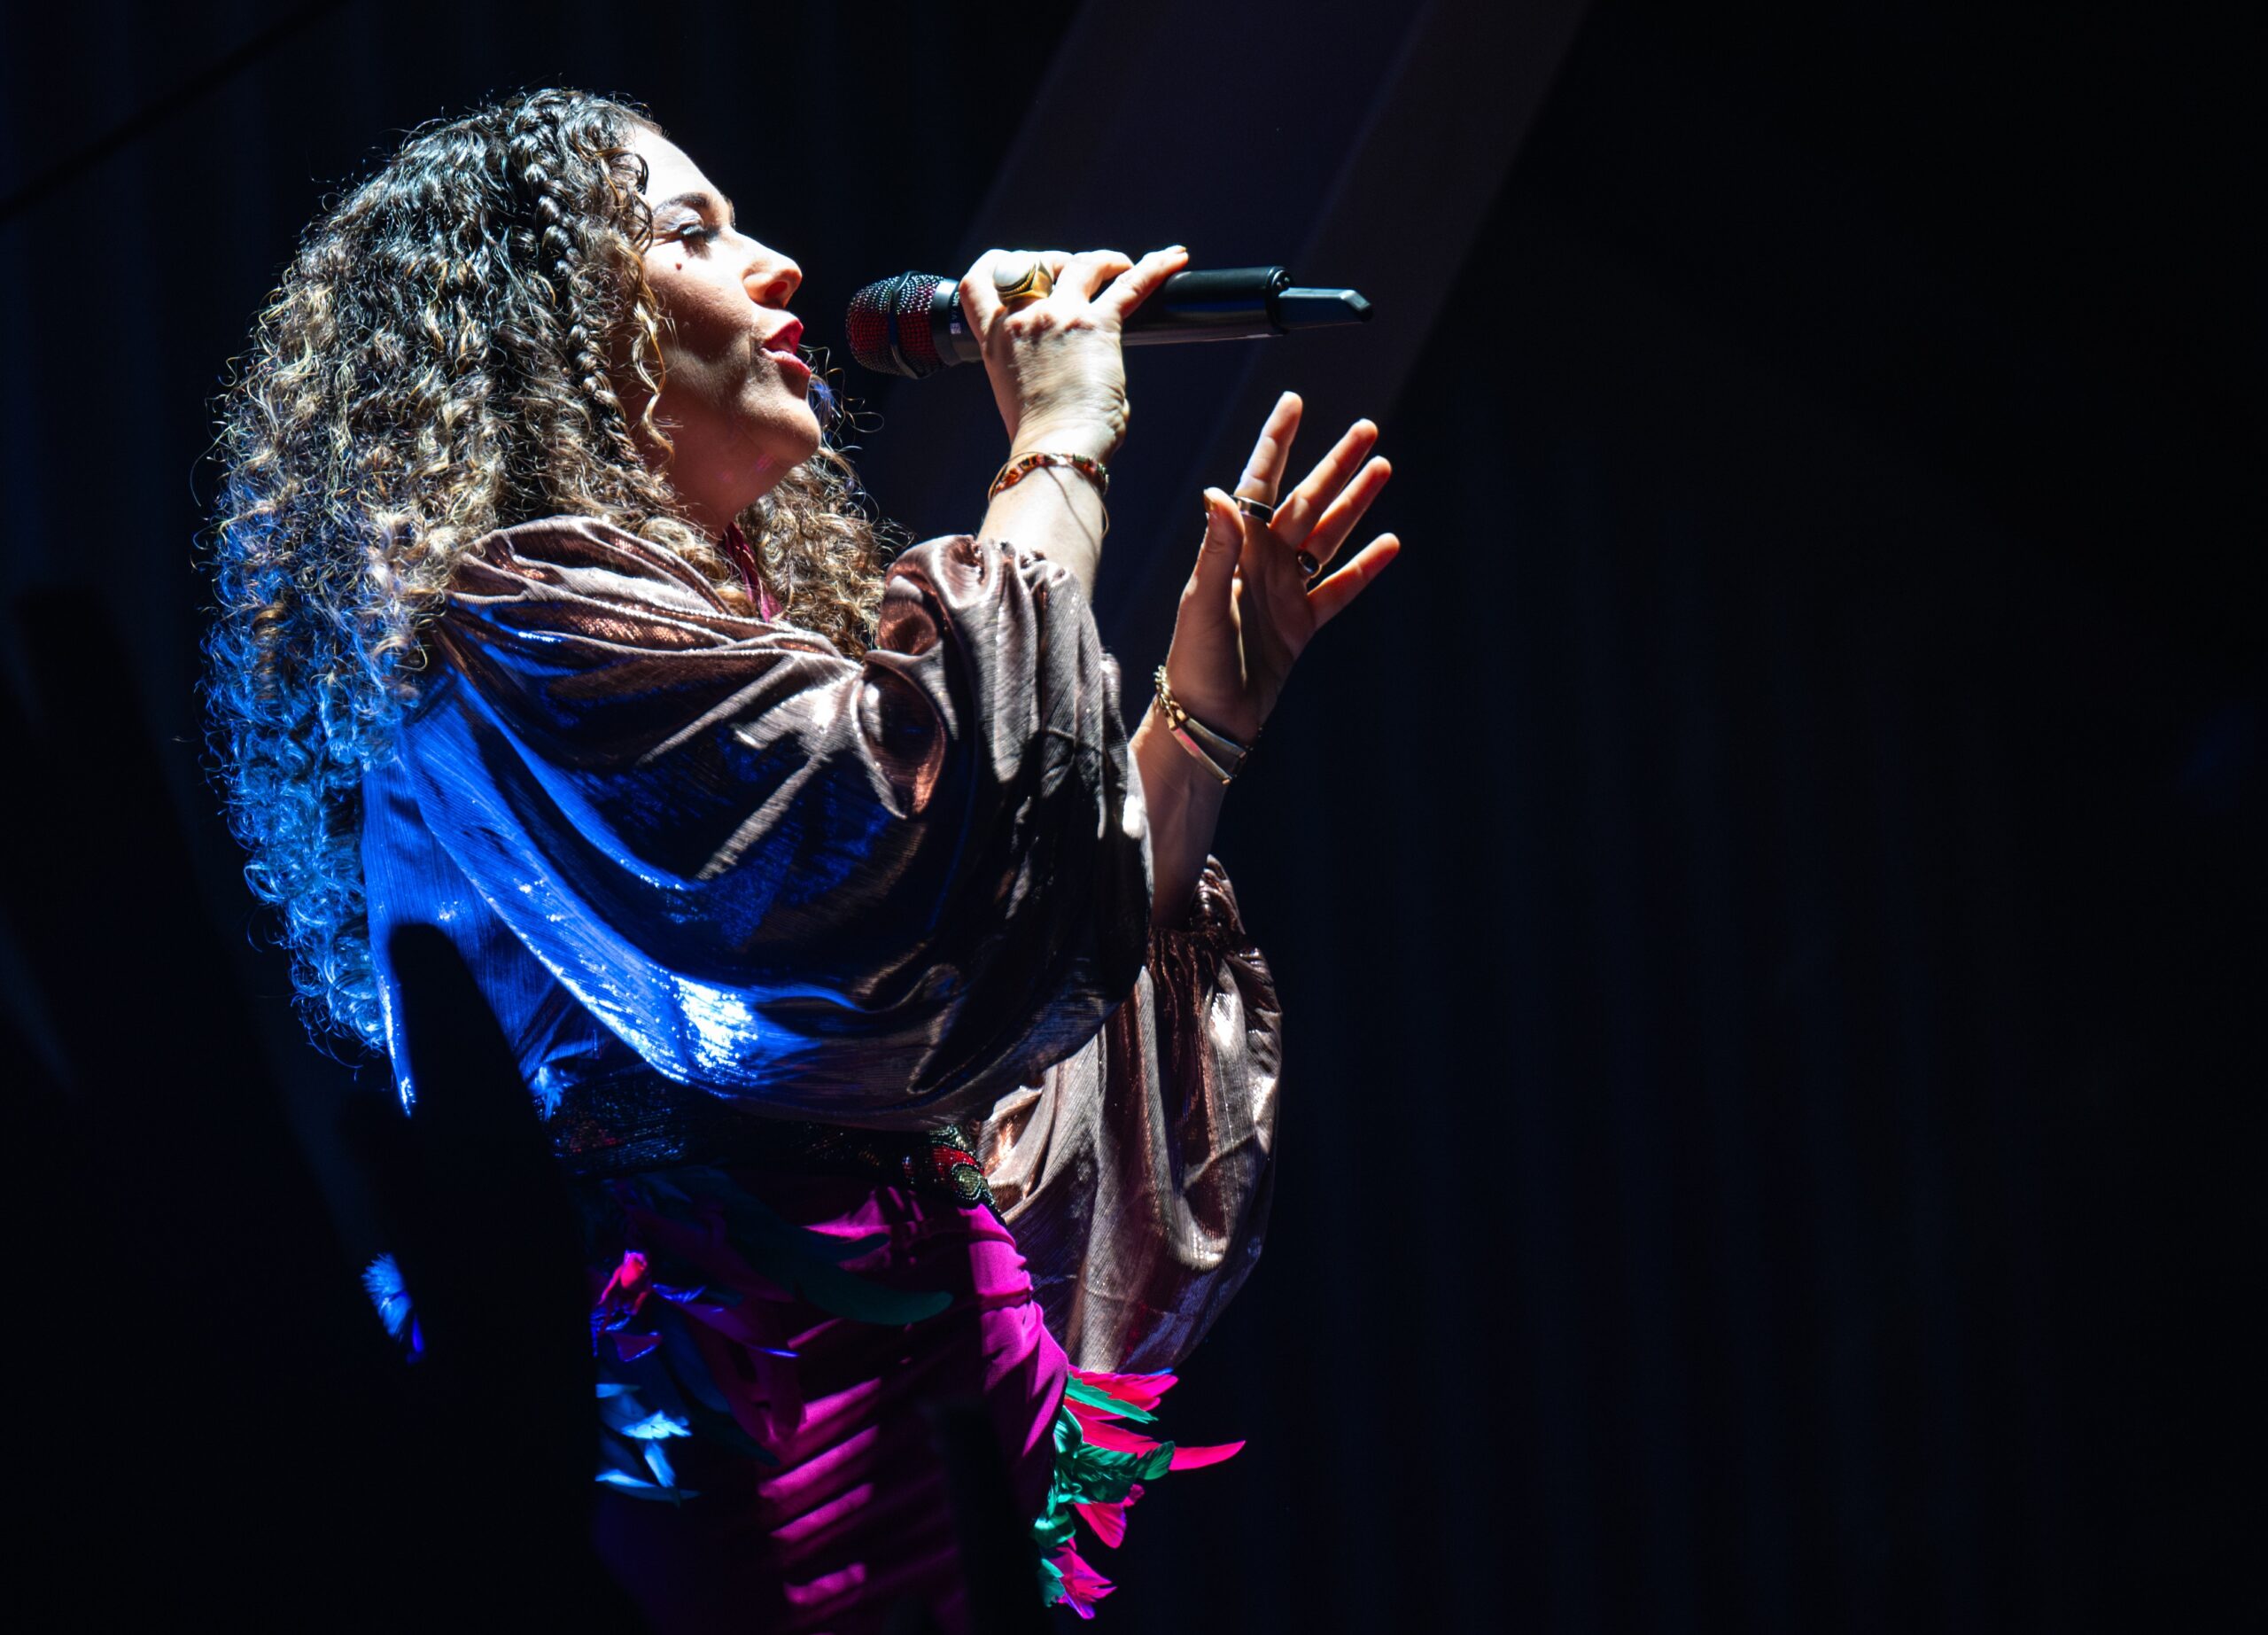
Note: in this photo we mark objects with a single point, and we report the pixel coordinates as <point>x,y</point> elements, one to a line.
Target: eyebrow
<point>697,200</point>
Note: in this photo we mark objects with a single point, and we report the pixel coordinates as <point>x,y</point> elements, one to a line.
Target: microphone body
<point>911,324</point>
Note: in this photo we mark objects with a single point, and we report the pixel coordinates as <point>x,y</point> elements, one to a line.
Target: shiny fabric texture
<point>877,892</point>
<point>1137,1174</point>
<point>681,847</point>
<point>711,875</point>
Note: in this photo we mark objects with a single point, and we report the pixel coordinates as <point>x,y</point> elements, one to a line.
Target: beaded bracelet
<point>1017,470</point>
<point>1210,747</point>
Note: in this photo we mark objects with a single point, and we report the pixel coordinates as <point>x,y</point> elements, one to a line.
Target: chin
<point>768,453</point>
<point>810,445</point>
<point>787,433</point>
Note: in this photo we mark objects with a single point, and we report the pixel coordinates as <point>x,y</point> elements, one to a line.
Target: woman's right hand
<point>1055,363</point>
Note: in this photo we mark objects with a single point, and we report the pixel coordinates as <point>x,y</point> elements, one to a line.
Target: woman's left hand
<point>1249,609</point>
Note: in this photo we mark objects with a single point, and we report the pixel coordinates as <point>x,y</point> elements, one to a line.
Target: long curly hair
<point>434,366</point>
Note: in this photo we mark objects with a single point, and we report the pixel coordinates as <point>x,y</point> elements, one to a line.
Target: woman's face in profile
<point>734,401</point>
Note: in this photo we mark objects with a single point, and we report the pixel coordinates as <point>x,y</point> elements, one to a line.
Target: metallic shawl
<point>679,845</point>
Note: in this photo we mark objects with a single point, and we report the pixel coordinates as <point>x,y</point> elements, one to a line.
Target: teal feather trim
<point>1100,1469</point>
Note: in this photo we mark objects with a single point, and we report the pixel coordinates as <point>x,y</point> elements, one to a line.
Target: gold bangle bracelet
<point>1218,753</point>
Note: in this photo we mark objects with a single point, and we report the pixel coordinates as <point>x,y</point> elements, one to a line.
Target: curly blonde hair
<point>432,367</point>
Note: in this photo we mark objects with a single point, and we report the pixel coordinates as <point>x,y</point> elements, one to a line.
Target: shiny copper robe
<point>685,847</point>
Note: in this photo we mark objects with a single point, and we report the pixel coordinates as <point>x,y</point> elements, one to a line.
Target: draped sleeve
<point>1136,1173</point>
<point>877,891</point>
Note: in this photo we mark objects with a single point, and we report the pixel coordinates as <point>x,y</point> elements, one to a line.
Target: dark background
<point>1768,891</point>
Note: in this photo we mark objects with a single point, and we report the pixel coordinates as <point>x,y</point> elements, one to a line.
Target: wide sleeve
<point>1136,1173</point>
<point>873,891</point>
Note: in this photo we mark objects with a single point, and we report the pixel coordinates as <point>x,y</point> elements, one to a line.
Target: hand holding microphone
<point>1048,329</point>
<point>1051,330</point>
<point>915,325</point>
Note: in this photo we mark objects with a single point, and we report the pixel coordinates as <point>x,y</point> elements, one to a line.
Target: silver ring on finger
<point>1260,511</point>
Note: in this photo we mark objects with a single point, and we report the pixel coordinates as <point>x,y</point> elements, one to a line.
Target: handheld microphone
<point>911,324</point>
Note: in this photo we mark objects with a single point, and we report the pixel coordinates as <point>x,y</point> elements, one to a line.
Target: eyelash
<point>697,233</point>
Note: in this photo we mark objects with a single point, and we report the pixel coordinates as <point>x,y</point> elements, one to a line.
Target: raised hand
<point>1259,591</point>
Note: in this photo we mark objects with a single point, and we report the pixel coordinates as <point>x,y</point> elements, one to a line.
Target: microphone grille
<point>889,325</point>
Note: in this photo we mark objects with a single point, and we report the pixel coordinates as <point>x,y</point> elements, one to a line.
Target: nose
<point>772,278</point>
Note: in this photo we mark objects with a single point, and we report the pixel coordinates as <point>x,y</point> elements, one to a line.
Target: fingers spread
<point>1263,473</point>
<point>1328,599</point>
<point>1213,581</point>
<point>1340,516</point>
<point>1330,474</point>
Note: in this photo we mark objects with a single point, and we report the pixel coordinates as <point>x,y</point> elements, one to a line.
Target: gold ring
<point>1033,283</point>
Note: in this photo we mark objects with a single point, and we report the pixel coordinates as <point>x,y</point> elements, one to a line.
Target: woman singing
<point>839,927</point>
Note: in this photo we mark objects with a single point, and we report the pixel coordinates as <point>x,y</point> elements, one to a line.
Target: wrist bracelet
<point>1094,469</point>
<point>1017,470</point>
<point>1218,753</point>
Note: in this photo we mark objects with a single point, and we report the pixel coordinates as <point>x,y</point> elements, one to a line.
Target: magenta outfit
<point>856,1514</point>
<point>752,912</point>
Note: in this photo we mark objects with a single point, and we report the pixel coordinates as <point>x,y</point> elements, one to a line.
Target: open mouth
<point>782,344</point>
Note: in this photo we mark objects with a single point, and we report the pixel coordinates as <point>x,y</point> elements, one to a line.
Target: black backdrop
<point>1768,891</point>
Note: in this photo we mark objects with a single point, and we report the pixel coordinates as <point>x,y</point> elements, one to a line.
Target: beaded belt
<point>621,1126</point>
